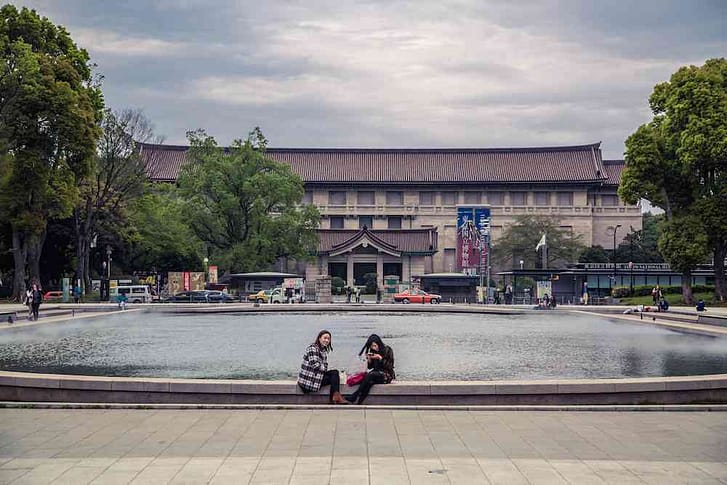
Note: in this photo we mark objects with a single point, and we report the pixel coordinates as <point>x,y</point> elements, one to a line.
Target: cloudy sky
<point>370,73</point>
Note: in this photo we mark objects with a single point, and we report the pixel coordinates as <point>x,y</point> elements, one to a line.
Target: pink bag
<point>355,379</point>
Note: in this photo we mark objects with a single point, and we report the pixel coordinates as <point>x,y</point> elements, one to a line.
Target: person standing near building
<point>29,302</point>
<point>37,299</point>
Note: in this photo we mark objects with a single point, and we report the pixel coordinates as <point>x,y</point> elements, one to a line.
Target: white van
<point>134,293</point>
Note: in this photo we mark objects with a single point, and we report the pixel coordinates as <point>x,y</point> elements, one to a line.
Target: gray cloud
<point>393,73</point>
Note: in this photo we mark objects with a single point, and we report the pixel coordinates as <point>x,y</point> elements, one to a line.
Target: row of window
<point>337,222</point>
<point>429,198</point>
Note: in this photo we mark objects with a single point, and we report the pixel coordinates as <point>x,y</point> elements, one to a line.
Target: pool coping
<point>26,386</point>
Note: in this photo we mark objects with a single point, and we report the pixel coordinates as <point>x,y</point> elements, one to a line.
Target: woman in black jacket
<point>380,359</point>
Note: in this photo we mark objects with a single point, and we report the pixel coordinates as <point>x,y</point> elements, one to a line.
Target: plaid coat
<point>315,364</point>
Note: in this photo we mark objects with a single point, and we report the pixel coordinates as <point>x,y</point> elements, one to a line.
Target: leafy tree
<point>115,182</point>
<point>642,246</point>
<point>159,236</point>
<point>49,108</point>
<point>677,161</point>
<point>245,206</point>
<point>684,246</point>
<point>594,254</point>
<point>518,242</point>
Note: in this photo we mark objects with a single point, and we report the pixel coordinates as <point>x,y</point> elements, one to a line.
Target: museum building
<point>394,211</point>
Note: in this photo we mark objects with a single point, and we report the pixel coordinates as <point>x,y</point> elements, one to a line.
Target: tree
<point>642,246</point>
<point>245,206</point>
<point>116,181</point>
<point>594,254</point>
<point>684,246</point>
<point>518,242</point>
<point>158,234</point>
<point>49,108</point>
<point>677,161</point>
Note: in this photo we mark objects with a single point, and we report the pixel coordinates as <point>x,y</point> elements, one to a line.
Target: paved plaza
<point>360,446</point>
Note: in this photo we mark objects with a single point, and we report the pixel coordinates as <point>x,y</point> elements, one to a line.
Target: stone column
<point>379,270</point>
<point>349,269</point>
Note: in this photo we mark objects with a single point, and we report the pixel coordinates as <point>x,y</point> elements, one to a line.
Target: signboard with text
<point>471,224</point>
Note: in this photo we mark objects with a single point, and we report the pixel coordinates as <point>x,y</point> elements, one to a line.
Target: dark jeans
<point>331,377</point>
<point>34,307</point>
<point>373,377</point>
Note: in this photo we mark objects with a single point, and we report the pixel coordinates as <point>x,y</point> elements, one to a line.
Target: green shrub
<point>337,285</point>
<point>645,290</point>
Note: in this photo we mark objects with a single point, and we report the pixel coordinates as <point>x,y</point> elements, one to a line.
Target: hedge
<point>623,291</point>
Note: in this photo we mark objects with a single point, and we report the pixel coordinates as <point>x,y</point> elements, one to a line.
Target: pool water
<point>427,346</point>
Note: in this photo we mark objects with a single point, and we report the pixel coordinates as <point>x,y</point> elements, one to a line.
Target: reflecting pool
<point>427,346</point>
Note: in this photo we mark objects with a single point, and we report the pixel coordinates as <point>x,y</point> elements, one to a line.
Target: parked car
<point>417,296</point>
<point>197,296</point>
<point>214,296</point>
<point>274,295</point>
<point>134,293</point>
<point>53,296</point>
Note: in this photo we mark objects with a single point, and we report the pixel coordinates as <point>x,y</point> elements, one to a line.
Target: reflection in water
<point>427,346</point>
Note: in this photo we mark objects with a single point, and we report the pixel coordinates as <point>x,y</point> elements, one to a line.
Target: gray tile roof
<point>404,240</point>
<point>614,168</point>
<point>460,166</point>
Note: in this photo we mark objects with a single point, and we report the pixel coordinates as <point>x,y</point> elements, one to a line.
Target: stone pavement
<point>359,445</point>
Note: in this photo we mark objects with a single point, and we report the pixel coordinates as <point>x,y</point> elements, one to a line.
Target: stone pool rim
<point>32,387</point>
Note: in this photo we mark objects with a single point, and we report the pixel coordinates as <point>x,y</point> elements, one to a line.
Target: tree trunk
<point>19,259</point>
<point>687,288</point>
<point>719,280</point>
<point>34,250</point>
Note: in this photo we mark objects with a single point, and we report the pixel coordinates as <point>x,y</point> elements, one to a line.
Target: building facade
<point>394,211</point>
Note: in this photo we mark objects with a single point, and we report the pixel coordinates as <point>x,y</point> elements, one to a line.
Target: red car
<point>53,296</point>
<point>417,296</point>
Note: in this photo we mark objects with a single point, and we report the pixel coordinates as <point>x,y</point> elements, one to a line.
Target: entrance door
<point>391,269</point>
<point>361,269</point>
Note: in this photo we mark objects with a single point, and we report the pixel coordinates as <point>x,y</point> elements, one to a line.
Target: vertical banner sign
<point>213,274</point>
<point>471,222</point>
<point>187,280</point>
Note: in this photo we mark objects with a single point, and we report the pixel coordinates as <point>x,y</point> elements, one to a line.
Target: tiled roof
<point>614,168</point>
<point>424,166</point>
<point>404,240</point>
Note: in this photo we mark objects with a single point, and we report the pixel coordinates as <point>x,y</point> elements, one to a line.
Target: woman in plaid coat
<point>314,372</point>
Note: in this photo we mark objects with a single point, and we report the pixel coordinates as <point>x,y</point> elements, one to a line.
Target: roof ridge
<point>555,148</point>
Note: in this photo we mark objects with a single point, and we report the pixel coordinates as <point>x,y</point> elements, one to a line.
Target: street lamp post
<point>631,285</point>
<point>206,262</point>
<point>613,279</point>
<point>108,262</point>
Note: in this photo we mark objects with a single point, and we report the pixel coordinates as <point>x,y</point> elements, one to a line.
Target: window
<point>426,198</point>
<point>518,198</point>
<point>307,197</point>
<point>365,198</point>
<point>449,198</point>
<point>394,222</point>
<point>367,221</point>
<point>565,198</point>
<point>394,198</point>
<point>336,222</point>
<point>471,197</point>
<point>337,197</point>
<point>542,198</point>
<point>495,198</point>
<point>609,200</point>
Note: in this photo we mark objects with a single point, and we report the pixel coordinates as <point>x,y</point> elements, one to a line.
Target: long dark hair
<point>373,338</point>
<point>318,341</point>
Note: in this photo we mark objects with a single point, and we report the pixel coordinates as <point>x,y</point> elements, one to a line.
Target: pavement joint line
<point>393,407</point>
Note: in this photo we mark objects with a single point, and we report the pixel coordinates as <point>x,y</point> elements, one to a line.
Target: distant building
<point>394,211</point>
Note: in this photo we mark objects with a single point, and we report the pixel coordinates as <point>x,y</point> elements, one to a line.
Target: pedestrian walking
<point>37,296</point>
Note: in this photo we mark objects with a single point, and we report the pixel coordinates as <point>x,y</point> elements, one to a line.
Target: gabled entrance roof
<point>396,242</point>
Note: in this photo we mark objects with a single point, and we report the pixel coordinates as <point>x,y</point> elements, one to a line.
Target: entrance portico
<point>350,254</point>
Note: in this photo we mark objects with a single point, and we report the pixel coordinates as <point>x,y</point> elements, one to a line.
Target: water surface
<point>427,346</point>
